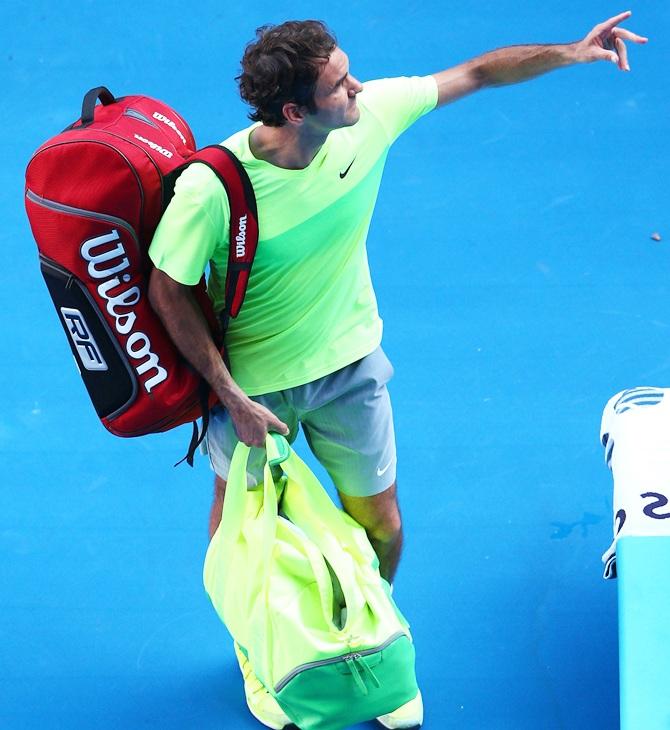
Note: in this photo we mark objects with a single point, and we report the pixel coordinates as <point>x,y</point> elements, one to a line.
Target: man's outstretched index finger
<point>607,25</point>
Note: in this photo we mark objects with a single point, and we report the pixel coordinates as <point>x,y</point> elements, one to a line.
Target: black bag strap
<point>90,99</point>
<point>197,437</point>
<point>243,242</point>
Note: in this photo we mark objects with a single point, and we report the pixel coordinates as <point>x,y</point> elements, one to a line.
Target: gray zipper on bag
<point>70,210</point>
<point>334,660</point>
<point>140,117</point>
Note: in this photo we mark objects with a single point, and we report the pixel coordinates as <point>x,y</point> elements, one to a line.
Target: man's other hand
<point>253,421</point>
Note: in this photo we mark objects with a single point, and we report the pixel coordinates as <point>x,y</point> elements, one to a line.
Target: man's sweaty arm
<point>519,63</point>
<point>182,318</point>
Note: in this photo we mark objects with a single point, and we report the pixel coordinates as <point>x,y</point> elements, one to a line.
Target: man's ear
<point>293,113</point>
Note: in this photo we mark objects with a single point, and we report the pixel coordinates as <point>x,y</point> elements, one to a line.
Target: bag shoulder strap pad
<point>243,222</point>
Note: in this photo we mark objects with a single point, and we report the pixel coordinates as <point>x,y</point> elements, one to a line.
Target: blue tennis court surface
<point>520,288</point>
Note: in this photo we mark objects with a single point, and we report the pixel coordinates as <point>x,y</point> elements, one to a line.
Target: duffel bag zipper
<point>71,210</point>
<point>355,662</point>
<point>352,659</point>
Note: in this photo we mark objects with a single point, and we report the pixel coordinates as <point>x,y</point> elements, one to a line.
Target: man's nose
<point>356,87</point>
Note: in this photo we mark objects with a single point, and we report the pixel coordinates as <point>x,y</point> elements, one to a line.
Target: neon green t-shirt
<point>310,308</point>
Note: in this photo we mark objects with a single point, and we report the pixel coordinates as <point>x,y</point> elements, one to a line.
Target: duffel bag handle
<point>283,452</point>
<point>90,100</point>
<point>281,446</point>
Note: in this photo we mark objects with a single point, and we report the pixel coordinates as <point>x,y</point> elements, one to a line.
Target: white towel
<point>635,432</point>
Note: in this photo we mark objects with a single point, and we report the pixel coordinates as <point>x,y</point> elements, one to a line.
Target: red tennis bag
<point>94,196</point>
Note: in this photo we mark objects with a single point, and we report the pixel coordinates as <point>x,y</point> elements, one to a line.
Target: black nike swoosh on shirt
<point>344,174</point>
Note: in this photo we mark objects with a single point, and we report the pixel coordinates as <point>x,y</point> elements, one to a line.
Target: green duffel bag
<point>297,584</point>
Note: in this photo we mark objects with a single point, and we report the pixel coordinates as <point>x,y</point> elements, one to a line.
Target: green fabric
<point>344,704</point>
<point>310,307</point>
<point>267,574</point>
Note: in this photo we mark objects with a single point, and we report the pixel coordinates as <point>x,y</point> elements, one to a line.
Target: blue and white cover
<point>635,432</point>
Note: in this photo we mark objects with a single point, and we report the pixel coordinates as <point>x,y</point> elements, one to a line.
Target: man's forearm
<point>500,67</point>
<point>519,63</point>
<point>190,332</point>
<point>606,42</point>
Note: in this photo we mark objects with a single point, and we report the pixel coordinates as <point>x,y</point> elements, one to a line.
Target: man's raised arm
<point>606,42</point>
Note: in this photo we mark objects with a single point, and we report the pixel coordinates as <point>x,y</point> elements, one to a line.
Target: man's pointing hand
<point>606,42</point>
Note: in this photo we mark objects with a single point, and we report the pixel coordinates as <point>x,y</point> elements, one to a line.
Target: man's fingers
<point>628,35</point>
<point>623,54</point>
<point>252,439</point>
<point>602,54</point>
<point>279,427</point>
<point>612,22</point>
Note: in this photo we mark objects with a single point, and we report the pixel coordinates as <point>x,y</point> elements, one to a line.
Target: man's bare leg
<point>217,505</point>
<point>380,516</point>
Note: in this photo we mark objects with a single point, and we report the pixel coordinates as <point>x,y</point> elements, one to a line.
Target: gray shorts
<point>347,421</point>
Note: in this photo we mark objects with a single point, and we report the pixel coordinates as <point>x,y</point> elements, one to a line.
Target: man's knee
<point>379,514</point>
<point>217,505</point>
<point>387,528</point>
<point>219,488</point>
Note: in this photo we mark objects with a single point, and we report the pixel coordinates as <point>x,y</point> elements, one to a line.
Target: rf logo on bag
<point>87,348</point>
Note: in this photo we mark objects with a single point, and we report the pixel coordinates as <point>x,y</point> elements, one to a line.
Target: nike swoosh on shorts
<point>381,472</point>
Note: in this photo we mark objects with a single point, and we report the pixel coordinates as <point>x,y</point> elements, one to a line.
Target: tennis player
<point>306,347</point>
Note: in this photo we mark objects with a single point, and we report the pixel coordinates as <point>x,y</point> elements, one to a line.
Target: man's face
<point>335,95</point>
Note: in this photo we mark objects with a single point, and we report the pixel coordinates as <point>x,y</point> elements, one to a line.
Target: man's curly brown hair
<point>282,65</point>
